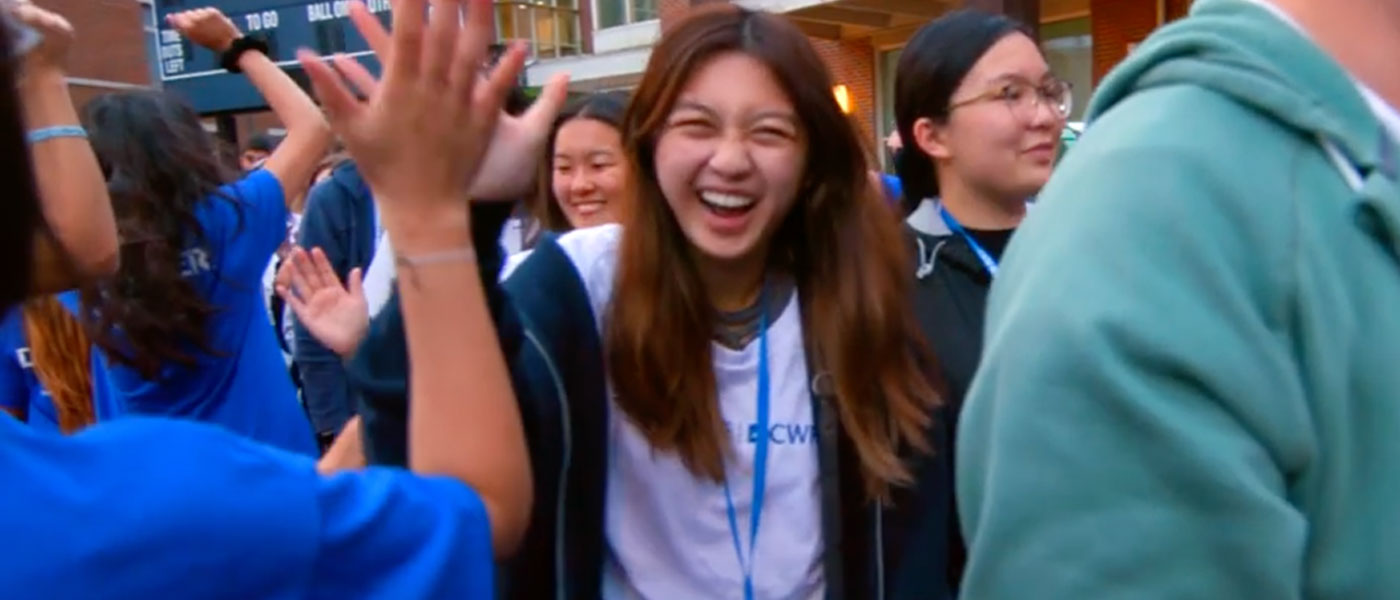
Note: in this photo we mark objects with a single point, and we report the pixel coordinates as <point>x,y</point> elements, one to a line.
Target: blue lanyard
<point>986,257</point>
<point>760,464</point>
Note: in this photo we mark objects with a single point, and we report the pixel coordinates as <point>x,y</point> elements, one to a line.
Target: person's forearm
<point>463,420</point>
<point>347,452</point>
<point>76,207</point>
<point>293,107</point>
<point>308,135</point>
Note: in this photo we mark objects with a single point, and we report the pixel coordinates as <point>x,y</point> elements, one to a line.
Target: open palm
<point>336,315</point>
<point>506,167</point>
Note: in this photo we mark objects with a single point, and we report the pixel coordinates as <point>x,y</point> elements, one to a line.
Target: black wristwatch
<point>229,59</point>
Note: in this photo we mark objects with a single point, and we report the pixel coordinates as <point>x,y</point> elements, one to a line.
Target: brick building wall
<point>852,64</point>
<point>1177,9</point>
<point>109,46</point>
<point>1117,24</point>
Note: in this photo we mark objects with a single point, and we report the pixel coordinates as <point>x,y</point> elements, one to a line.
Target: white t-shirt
<point>668,535</point>
<point>379,276</point>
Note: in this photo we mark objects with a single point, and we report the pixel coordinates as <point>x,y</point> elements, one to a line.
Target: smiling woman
<point>586,179</point>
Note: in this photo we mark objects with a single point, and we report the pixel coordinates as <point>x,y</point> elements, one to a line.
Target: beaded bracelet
<point>59,131</point>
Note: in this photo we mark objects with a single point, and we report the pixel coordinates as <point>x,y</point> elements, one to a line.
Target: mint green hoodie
<point>1191,382</point>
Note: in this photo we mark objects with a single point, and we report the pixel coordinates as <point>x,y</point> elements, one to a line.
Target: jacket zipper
<point>879,550</point>
<point>560,590</point>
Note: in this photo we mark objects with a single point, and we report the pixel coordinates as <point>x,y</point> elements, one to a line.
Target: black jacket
<point>950,294</point>
<point>950,300</point>
<point>555,355</point>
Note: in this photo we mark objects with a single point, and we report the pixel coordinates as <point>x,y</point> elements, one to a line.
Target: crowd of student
<point>684,343</point>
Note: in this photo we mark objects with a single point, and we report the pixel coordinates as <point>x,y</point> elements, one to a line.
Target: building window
<point>1069,48</point>
<point>150,28</point>
<point>612,13</point>
<point>551,26</point>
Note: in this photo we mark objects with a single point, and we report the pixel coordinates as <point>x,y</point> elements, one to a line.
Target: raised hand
<point>207,27</point>
<point>517,146</point>
<point>418,135</point>
<point>336,315</point>
<point>56,37</point>
<point>516,143</point>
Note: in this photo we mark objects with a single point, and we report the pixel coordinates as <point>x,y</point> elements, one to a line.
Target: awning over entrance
<point>875,19</point>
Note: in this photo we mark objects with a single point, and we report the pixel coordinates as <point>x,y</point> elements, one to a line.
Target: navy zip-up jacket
<point>339,220</point>
<point>549,339</point>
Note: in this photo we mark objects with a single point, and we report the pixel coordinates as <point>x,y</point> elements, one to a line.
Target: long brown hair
<point>840,243</point>
<point>60,352</point>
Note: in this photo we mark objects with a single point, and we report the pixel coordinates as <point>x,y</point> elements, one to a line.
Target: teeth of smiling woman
<point>727,200</point>
<point>588,208</point>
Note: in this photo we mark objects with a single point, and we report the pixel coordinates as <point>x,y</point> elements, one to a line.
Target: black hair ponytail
<point>932,66</point>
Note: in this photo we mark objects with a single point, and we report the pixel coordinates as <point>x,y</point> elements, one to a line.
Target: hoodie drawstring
<point>1344,166</point>
<point>926,258</point>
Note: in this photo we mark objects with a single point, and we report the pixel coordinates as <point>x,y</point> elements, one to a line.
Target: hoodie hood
<point>1246,52</point>
<point>347,177</point>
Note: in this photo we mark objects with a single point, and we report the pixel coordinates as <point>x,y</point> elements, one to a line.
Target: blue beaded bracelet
<point>61,131</point>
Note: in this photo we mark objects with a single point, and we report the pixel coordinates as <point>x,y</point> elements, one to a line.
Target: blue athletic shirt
<point>143,508</point>
<point>894,189</point>
<point>20,390</point>
<point>247,389</point>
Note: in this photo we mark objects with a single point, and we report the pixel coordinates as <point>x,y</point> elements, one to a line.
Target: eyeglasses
<point>1024,98</point>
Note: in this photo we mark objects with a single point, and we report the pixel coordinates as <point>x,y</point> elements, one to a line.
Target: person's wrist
<point>226,43</point>
<point>43,78</point>
<point>239,51</point>
<point>251,53</point>
<point>427,226</point>
<point>346,351</point>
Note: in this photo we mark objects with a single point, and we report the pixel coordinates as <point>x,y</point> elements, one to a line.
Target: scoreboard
<point>322,25</point>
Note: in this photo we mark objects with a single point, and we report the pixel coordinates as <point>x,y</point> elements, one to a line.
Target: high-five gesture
<point>419,138</point>
<point>507,170</point>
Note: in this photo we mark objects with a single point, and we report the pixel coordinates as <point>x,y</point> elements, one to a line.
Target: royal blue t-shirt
<point>247,389</point>
<point>144,508</point>
<point>894,190</point>
<point>20,390</point>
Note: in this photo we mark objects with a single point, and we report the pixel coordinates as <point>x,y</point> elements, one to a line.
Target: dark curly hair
<point>160,165</point>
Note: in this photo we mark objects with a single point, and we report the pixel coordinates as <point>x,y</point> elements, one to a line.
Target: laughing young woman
<point>722,394</point>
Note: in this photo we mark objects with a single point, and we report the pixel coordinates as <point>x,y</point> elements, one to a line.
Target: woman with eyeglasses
<point>980,115</point>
